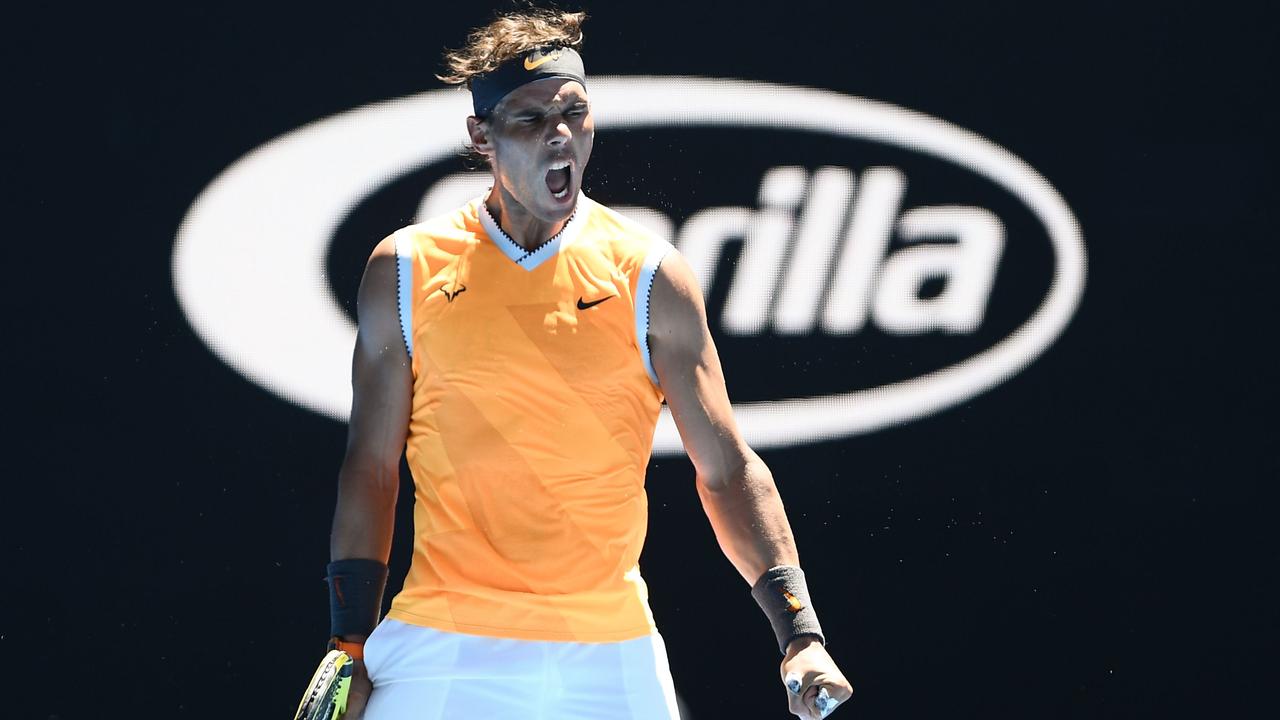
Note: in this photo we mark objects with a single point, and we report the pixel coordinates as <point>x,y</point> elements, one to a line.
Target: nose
<point>560,134</point>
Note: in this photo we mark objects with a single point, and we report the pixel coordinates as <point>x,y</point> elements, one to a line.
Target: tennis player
<point>517,351</point>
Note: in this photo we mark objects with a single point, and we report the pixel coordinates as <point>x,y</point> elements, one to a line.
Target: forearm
<point>364,517</point>
<point>746,513</point>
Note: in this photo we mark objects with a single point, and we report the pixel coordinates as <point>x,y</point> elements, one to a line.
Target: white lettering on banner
<point>807,274</point>
<point>746,310</point>
<point>968,268</point>
<point>870,230</point>
<point>249,257</point>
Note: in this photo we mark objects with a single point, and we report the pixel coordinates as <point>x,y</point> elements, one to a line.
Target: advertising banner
<point>990,286</point>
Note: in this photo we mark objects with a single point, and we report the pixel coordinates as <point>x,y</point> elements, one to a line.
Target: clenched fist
<point>815,686</point>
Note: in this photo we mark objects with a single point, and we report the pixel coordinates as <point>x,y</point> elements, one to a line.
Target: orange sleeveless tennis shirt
<point>534,406</point>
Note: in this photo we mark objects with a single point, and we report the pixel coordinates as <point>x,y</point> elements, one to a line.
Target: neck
<point>518,223</point>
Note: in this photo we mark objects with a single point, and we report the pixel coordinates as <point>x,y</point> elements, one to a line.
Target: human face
<point>538,141</point>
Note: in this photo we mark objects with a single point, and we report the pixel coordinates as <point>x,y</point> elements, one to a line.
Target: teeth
<point>560,194</point>
<point>562,164</point>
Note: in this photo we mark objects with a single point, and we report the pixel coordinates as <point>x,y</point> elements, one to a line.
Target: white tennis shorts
<point>420,673</point>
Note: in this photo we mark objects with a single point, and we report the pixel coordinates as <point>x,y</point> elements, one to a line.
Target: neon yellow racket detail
<point>326,696</point>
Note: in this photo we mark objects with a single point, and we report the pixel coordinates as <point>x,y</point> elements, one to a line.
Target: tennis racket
<point>326,696</point>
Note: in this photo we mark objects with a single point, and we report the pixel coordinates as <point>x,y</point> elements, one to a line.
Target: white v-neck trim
<point>530,259</point>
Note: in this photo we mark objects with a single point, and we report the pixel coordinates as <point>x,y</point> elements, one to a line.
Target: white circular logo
<point>249,258</point>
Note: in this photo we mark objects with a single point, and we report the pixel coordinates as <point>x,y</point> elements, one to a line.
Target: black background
<point>1092,538</point>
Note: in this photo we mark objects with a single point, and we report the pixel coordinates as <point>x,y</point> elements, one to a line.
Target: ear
<point>478,130</point>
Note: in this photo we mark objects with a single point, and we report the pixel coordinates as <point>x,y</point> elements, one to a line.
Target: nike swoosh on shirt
<point>593,303</point>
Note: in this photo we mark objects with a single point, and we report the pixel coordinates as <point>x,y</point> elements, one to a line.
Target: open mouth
<point>558,179</point>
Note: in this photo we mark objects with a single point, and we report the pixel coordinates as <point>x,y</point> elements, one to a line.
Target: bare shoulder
<point>377,304</point>
<point>675,277</point>
<point>688,368</point>
<point>677,314</point>
<point>383,255</point>
<point>386,248</point>
<point>381,371</point>
<point>380,275</point>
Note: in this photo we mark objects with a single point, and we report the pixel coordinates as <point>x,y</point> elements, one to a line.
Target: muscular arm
<point>382,385</point>
<point>737,489</point>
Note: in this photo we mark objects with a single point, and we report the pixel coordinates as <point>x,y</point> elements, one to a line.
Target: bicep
<point>688,368</point>
<point>381,378</point>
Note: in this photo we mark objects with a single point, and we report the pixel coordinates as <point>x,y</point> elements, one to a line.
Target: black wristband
<point>784,597</point>
<point>355,595</point>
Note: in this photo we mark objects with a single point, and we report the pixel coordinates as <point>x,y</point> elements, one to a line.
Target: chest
<point>574,313</point>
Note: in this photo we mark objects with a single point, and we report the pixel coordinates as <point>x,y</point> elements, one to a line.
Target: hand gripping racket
<point>326,696</point>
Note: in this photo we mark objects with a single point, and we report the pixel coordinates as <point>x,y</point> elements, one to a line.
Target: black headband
<point>551,62</point>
